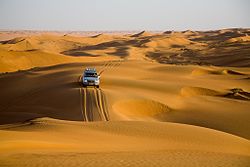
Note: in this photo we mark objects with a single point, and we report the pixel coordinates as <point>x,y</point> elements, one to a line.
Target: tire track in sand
<point>93,104</point>
<point>93,100</point>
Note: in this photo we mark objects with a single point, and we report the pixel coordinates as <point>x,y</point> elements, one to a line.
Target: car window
<point>90,74</point>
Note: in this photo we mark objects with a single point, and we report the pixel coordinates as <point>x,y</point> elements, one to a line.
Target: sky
<point>123,15</point>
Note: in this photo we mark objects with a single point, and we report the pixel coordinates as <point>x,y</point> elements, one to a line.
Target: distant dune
<point>165,99</point>
<point>229,47</point>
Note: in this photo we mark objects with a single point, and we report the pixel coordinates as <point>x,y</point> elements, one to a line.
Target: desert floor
<point>165,99</point>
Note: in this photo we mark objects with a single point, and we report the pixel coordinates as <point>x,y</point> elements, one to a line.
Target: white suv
<point>90,77</point>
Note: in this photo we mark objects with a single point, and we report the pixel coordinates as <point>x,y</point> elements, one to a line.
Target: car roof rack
<point>90,69</point>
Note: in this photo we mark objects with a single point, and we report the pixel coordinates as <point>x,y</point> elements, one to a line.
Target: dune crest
<point>202,71</point>
<point>141,34</point>
<point>232,72</point>
<point>195,91</point>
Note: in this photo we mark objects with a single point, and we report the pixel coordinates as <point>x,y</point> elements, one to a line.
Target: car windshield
<point>90,74</point>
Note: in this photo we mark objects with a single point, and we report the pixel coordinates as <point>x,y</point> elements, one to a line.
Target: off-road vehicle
<point>90,78</point>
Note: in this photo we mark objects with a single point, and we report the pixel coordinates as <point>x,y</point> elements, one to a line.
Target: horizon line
<point>147,30</point>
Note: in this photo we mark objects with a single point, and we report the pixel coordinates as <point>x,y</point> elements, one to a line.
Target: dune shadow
<point>184,58</point>
<point>121,47</point>
<point>237,93</point>
<point>12,41</point>
<point>120,51</point>
<point>79,54</point>
<point>73,85</point>
<point>53,92</point>
<point>216,36</point>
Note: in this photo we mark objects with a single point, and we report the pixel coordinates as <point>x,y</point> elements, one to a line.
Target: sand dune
<point>44,50</point>
<point>203,71</point>
<point>133,91</point>
<point>235,93</point>
<point>229,47</point>
<point>165,99</point>
<point>192,91</point>
<point>140,109</point>
<point>119,144</point>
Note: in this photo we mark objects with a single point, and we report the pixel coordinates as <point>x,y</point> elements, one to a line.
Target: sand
<point>165,99</point>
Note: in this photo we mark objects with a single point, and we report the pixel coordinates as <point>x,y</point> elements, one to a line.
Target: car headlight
<point>85,80</point>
